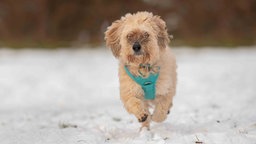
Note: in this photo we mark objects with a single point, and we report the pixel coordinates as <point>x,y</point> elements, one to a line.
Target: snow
<point>71,96</point>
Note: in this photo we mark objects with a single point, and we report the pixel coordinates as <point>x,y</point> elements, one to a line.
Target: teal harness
<point>147,84</point>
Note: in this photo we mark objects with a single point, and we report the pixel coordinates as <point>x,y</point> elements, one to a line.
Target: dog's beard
<point>139,57</point>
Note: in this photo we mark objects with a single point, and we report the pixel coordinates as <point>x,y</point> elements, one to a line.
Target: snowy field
<point>72,97</point>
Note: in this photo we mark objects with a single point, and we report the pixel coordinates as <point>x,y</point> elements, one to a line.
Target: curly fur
<point>150,31</point>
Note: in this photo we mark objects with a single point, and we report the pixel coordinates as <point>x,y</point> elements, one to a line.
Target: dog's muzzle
<point>136,47</point>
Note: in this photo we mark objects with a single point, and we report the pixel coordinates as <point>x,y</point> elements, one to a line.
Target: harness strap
<point>148,84</point>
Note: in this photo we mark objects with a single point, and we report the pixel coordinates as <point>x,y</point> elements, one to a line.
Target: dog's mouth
<point>139,57</point>
<point>139,53</point>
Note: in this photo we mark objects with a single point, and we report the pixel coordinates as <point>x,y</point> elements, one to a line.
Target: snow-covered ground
<point>72,97</point>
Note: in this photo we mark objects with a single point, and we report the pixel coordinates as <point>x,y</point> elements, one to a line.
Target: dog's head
<point>137,38</point>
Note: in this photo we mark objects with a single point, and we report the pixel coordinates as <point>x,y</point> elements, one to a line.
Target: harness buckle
<point>147,83</point>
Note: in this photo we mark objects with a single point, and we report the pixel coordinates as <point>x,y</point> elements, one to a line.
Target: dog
<point>147,66</point>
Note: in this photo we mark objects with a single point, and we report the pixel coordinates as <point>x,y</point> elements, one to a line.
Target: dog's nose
<point>136,47</point>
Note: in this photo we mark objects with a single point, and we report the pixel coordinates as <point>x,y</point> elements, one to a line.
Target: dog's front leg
<point>163,105</point>
<point>137,107</point>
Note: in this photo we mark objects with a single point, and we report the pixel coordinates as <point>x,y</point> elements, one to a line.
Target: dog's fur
<point>151,33</point>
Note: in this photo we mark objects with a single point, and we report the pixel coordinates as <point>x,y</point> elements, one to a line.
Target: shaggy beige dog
<point>140,43</point>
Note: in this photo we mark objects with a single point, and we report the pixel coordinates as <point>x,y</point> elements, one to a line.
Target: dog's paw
<point>143,118</point>
<point>159,117</point>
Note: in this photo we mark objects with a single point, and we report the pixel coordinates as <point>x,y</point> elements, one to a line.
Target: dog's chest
<point>161,87</point>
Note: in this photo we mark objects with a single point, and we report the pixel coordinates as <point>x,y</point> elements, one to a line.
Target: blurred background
<point>75,23</point>
<point>59,83</point>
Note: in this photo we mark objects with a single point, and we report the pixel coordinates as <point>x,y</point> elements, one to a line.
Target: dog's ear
<point>112,37</point>
<point>162,35</point>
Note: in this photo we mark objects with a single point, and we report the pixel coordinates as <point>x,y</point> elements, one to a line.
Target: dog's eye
<point>129,36</point>
<point>145,35</point>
